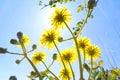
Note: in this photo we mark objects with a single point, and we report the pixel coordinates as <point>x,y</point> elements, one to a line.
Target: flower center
<point>50,38</point>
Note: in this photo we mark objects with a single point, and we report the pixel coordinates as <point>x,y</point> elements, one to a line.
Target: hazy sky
<point>26,16</point>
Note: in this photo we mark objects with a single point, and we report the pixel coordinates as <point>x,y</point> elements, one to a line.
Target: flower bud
<point>91,4</point>
<point>17,61</point>
<point>3,50</point>
<point>54,56</point>
<point>13,41</point>
<point>12,78</point>
<point>60,39</point>
<point>50,2</point>
<point>34,46</point>
<point>19,35</point>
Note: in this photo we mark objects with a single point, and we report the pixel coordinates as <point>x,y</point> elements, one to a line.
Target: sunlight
<point>45,18</point>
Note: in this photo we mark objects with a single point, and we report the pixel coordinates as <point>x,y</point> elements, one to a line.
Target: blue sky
<point>26,16</point>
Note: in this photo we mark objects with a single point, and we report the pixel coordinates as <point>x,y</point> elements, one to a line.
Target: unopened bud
<point>91,4</point>
<point>13,41</point>
<point>50,2</point>
<point>54,56</point>
<point>12,78</point>
<point>17,61</point>
<point>3,50</point>
<point>19,35</point>
<point>60,39</point>
<point>34,46</point>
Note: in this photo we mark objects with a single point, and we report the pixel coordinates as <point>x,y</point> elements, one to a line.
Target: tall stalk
<point>78,52</point>
<point>56,78</point>
<point>72,70</point>
<point>84,56</point>
<point>61,58</point>
<point>91,68</point>
<point>84,22</point>
<point>25,55</point>
<point>35,69</point>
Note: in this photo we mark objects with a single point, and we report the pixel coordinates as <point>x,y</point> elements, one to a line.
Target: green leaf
<point>78,10</point>
<point>65,1</point>
<point>60,1</point>
<point>91,16</point>
<point>51,78</point>
<point>80,7</point>
<point>94,74</point>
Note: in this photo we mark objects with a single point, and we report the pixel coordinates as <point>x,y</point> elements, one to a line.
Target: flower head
<point>59,16</point>
<point>114,73</point>
<point>68,56</point>
<point>48,37</point>
<point>26,40</point>
<point>65,73</point>
<point>93,52</point>
<point>83,42</point>
<point>38,57</point>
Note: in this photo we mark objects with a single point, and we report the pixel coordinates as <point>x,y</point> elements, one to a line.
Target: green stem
<point>37,72</point>
<point>23,47</point>
<point>72,71</point>
<point>25,55</point>
<point>51,64</point>
<point>84,56</point>
<point>86,18</point>
<point>56,78</point>
<point>85,3</point>
<point>91,62</point>
<point>91,68</point>
<point>79,56</point>
<point>30,51</point>
<point>81,28</point>
<point>14,53</point>
<point>61,58</point>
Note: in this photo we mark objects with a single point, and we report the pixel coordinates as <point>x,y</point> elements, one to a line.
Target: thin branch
<point>14,53</point>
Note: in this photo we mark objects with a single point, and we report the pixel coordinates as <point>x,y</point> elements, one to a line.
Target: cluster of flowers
<point>51,37</point>
<point>82,51</point>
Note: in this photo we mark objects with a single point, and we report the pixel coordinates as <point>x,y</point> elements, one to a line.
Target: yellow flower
<point>65,73</point>
<point>114,73</point>
<point>83,42</point>
<point>93,51</point>
<point>68,55</point>
<point>48,37</point>
<point>26,40</point>
<point>59,16</point>
<point>38,57</point>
